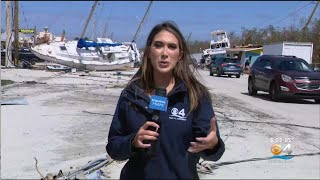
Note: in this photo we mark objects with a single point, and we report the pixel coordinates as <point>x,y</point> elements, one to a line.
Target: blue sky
<point>198,17</point>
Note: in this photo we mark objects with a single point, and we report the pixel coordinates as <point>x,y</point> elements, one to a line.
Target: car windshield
<point>228,60</point>
<point>293,65</point>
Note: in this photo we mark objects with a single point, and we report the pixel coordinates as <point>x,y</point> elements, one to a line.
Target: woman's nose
<point>164,53</point>
<point>164,56</point>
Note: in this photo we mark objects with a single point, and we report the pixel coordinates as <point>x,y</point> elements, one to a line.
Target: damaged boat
<point>102,55</point>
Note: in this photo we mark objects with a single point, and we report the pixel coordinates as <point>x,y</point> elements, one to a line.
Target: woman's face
<point>164,52</point>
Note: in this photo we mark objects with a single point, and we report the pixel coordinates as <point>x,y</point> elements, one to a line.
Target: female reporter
<point>187,129</point>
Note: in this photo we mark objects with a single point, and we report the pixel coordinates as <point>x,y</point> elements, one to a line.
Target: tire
<point>317,101</point>
<point>34,60</point>
<point>229,75</point>
<point>219,73</point>
<point>211,73</point>
<point>252,91</point>
<point>274,92</point>
<point>238,76</point>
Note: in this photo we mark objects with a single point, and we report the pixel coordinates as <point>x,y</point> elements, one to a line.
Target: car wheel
<point>219,73</point>
<point>317,101</point>
<point>274,92</point>
<point>211,73</point>
<point>229,75</point>
<point>34,59</point>
<point>251,89</point>
<point>238,76</point>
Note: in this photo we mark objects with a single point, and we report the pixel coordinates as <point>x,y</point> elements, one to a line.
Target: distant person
<point>187,129</point>
<point>203,60</point>
<point>247,64</point>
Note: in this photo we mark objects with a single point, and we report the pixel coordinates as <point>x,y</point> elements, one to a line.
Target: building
<point>245,53</point>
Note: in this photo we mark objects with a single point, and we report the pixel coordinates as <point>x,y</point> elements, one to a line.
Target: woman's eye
<point>172,46</point>
<point>157,45</point>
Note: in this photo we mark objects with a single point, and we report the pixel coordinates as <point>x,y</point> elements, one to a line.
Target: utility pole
<point>16,33</point>
<point>8,60</point>
<point>310,17</point>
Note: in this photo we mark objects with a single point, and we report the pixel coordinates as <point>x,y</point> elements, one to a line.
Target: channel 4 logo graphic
<point>277,150</point>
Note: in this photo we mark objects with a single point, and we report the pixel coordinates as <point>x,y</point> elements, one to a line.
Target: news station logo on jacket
<point>177,114</point>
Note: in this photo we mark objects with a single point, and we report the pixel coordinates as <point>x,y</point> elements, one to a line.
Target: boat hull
<point>91,61</point>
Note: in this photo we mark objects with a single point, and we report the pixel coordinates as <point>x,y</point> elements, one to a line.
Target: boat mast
<point>189,36</point>
<point>88,20</point>
<point>8,60</point>
<point>94,27</point>
<point>145,14</point>
<point>106,26</point>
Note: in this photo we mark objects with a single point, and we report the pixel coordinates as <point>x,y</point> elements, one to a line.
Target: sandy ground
<point>66,122</point>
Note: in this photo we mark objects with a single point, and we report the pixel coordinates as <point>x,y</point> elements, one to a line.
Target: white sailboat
<point>100,55</point>
<point>100,58</point>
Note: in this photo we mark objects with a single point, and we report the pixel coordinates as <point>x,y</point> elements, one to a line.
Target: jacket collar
<point>136,90</point>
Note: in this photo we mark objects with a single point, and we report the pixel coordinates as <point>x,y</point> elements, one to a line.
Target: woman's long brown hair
<point>182,71</point>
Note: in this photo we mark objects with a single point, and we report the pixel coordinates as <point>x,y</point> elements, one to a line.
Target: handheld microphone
<point>158,102</point>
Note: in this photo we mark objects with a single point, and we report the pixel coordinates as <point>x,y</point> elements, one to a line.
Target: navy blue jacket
<point>177,130</point>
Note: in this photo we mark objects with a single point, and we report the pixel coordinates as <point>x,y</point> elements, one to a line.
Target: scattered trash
<point>204,168</point>
<point>31,82</point>
<point>98,174</point>
<point>89,171</point>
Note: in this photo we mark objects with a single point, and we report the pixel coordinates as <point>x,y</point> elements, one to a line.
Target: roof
<point>243,49</point>
<point>280,57</point>
<point>290,42</point>
<point>218,32</point>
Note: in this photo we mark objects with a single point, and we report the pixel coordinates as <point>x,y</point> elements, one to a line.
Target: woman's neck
<point>166,81</point>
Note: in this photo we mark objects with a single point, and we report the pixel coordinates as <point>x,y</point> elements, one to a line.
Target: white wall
<point>272,49</point>
<point>300,51</point>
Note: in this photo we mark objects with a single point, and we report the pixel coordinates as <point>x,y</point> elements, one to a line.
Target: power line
<point>290,14</point>
<point>25,19</point>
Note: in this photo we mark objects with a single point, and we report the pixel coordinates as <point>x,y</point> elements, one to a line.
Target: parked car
<point>226,65</point>
<point>284,76</point>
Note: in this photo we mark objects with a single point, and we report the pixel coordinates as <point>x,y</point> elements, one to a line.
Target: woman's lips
<point>163,64</point>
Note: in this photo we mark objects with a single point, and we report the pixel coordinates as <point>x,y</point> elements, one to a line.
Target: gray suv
<point>225,65</point>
